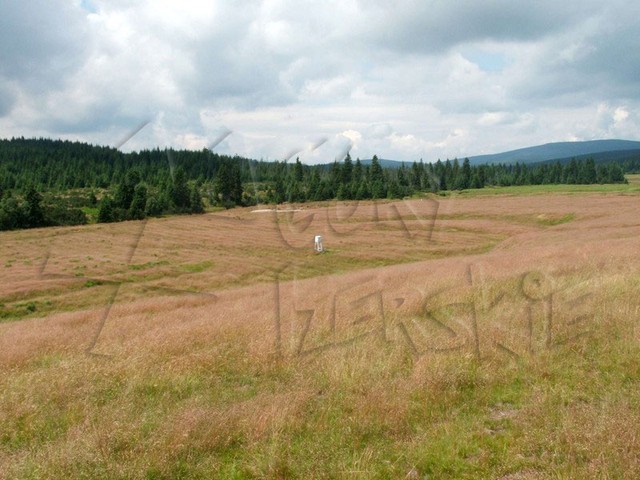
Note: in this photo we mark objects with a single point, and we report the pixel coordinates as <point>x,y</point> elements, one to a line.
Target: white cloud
<point>417,80</point>
<point>620,115</point>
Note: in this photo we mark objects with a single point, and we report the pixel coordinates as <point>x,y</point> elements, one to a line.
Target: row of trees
<point>155,182</point>
<point>30,211</point>
<point>349,180</point>
<point>134,199</point>
<point>56,165</point>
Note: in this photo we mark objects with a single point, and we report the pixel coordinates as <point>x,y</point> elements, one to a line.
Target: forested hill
<point>559,150</point>
<point>53,182</point>
<point>61,165</point>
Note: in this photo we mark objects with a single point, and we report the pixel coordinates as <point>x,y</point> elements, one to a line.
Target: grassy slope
<point>633,187</point>
<point>188,407</point>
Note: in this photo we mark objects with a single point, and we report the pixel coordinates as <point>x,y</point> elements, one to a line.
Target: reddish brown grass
<point>185,307</point>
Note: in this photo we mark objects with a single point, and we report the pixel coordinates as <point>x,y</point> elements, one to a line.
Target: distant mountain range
<point>600,150</point>
<point>560,151</point>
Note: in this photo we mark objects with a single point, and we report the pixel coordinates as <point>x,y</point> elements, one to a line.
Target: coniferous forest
<point>53,182</point>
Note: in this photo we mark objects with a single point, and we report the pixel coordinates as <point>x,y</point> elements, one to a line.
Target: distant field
<point>486,334</point>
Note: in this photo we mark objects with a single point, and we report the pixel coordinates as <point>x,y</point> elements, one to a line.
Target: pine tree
<point>342,193</point>
<point>616,175</point>
<point>106,211</point>
<point>377,175</point>
<point>335,176</point>
<point>154,206</point>
<point>195,200</point>
<point>180,190</point>
<point>570,174</point>
<point>455,172</point>
<point>279,193</point>
<point>298,173</point>
<point>363,192</point>
<point>34,214</point>
<point>11,215</point>
<point>357,172</point>
<point>416,175</point>
<point>463,180</point>
<point>590,176</point>
<point>347,170</point>
<point>227,186</point>
<point>602,174</point>
<point>393,189</point>
<point>125,190</point>
<point>138,203</point>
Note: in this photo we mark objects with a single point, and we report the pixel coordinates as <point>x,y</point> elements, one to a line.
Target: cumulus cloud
<point>434,26</point>
<point>277,79</point>
<point>41,41</point>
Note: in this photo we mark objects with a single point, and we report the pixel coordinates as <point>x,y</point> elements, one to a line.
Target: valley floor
<point>469,336</point>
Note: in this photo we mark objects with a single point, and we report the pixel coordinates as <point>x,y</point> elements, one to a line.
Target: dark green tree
<point>616,174</point>
<point>363,192</point>
<point>125,190</point>
<point>154,206</point>
<point>196,200</point>
<point>227,186</point>
<point>357,172</point>
<point>376,170</point>
<point>11,215</point>
<point>589,175</point>
<point>34,214</point>
<point>347,170</point>
<point>298,173</point>
<point>570,174</point>
<point>180,191</point>
<point>138,203</point>
<point>463,179</point>
<point>106,212</point>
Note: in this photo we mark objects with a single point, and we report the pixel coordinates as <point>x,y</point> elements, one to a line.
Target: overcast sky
<point>405,79</point>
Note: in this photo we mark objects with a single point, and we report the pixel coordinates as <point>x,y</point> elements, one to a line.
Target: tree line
<point>53,182</point>
<point>350,180</point>
<point>31,210</point>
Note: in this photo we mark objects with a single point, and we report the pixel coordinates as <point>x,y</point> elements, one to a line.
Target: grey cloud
<point>614,59</point>
<point>433,27</point>
<point>233,66</point>
<point>7,97</point>
<point>595,61</point>
<point>41,41</point>
<point>293,70</point>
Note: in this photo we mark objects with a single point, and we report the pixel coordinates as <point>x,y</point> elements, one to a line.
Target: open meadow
<point>486,334</point>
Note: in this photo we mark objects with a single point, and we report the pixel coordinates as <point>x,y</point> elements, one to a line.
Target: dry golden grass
<point>490,337</point>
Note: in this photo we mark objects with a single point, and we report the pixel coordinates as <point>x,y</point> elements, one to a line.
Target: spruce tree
<point>347,170</point>
<point>180,190</point>
<point>196,200</point>
<point>106,211</point>
<point>34,214</point>
<point>463,180</point>
<point>138,203</point>
<point>298,173</point>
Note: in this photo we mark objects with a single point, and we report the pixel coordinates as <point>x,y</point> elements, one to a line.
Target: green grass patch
<point>91,214</point>
<point>20,310</point>
<point>196,267</point>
